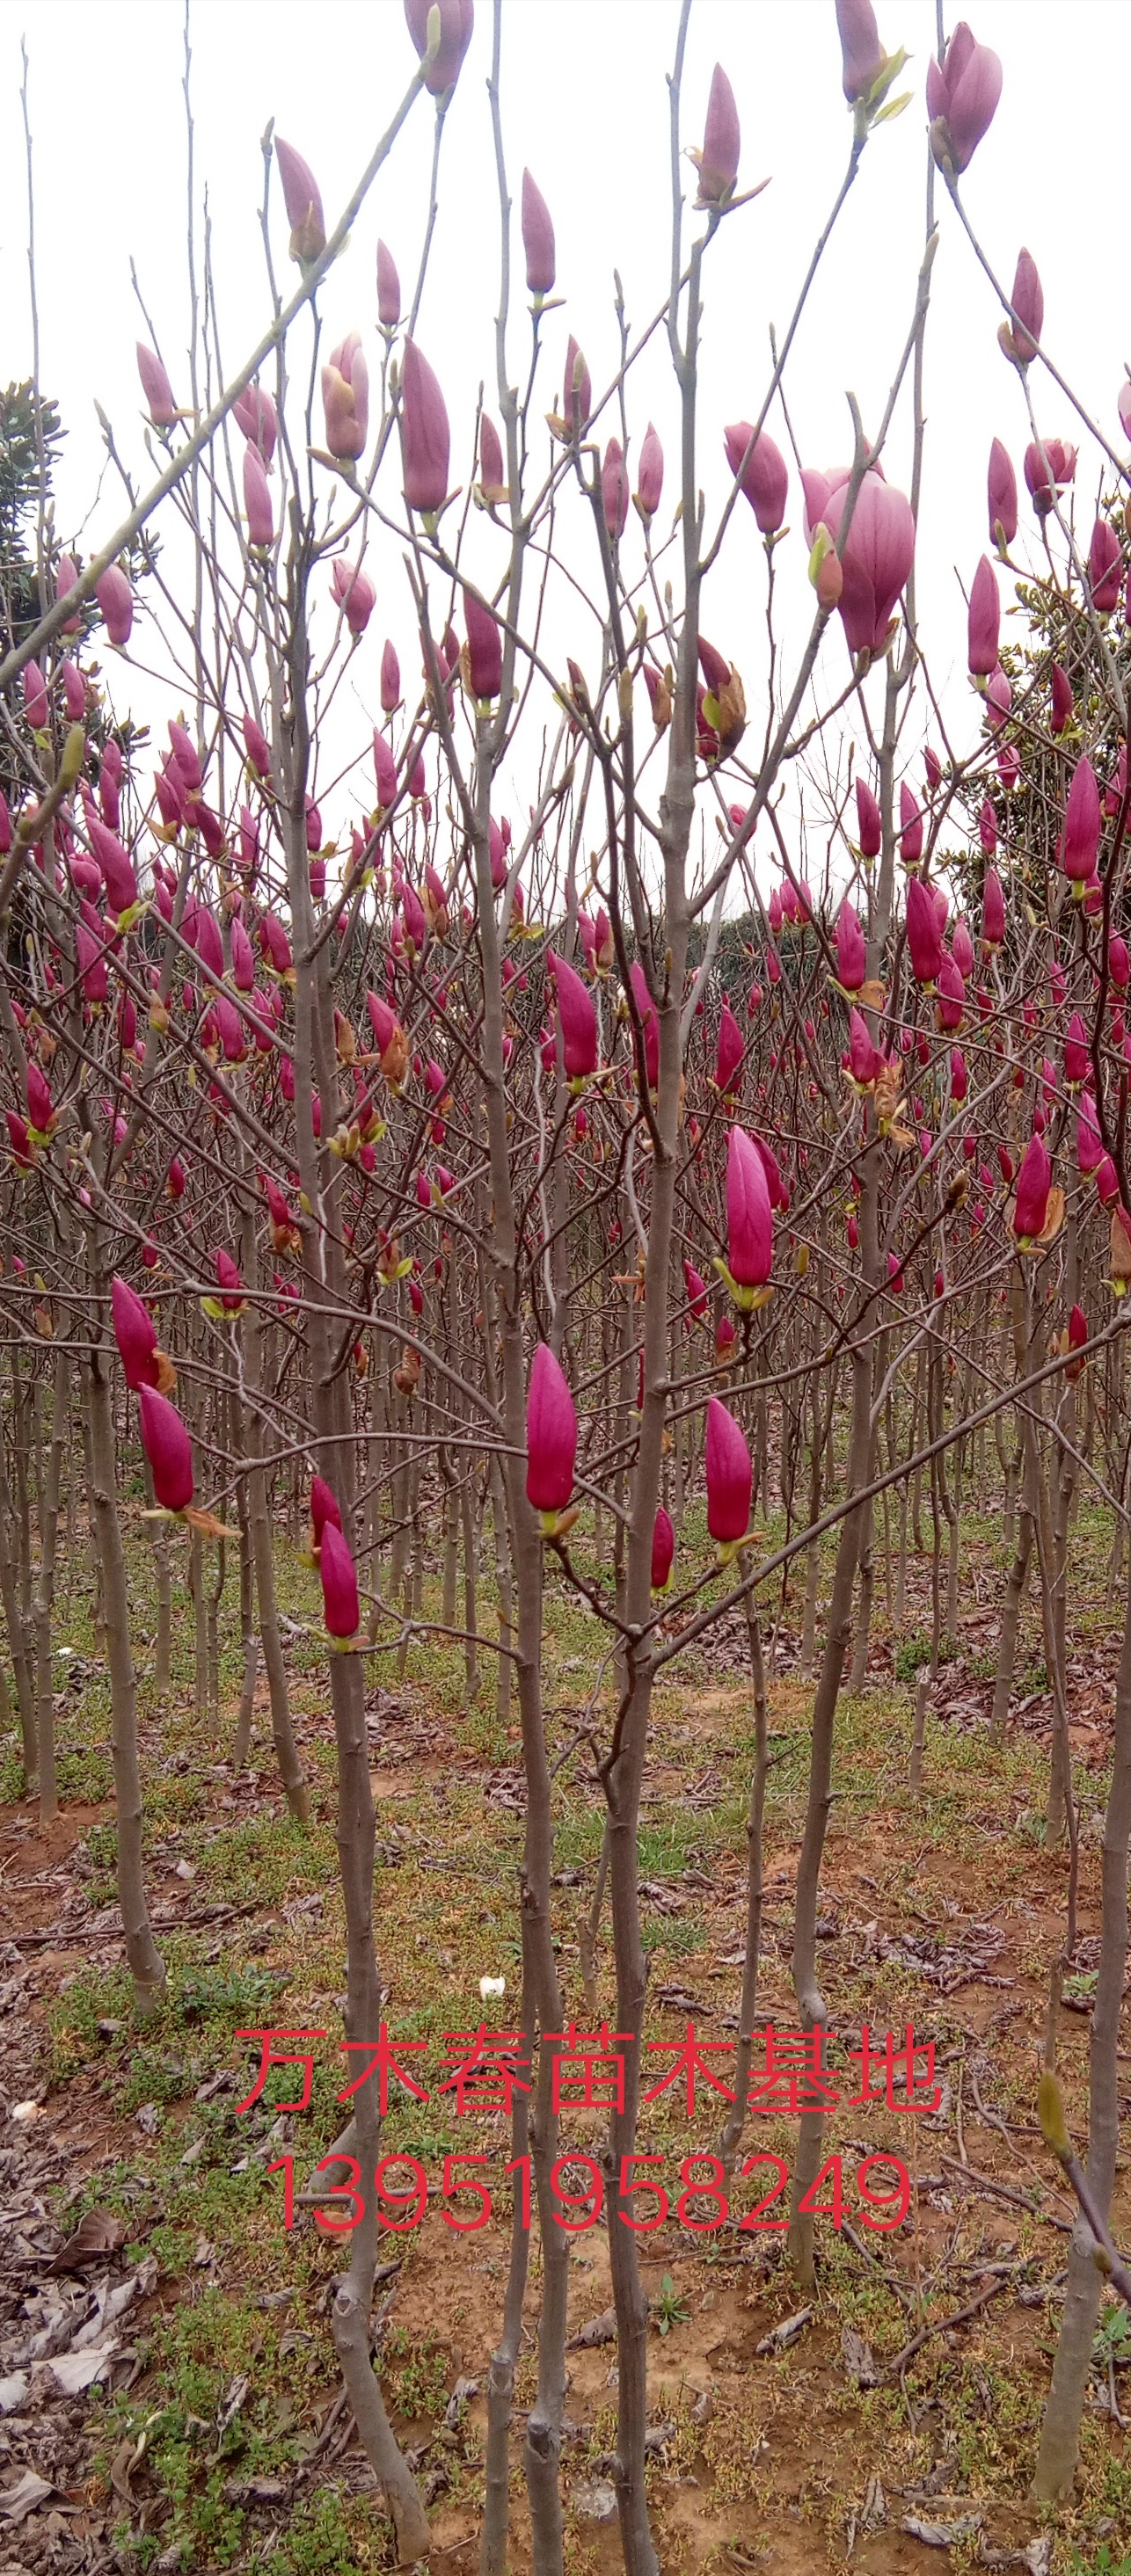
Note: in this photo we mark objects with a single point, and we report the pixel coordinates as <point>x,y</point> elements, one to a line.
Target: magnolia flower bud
<point>962,95</point>
<point>484,649</point>
<point>983,621</point>
<point>717,162</point>
<point>551,1435</point>
<point>388,289</point>
<point>729,1475</point>
<point>1001,492</point>
<point>354,594</point>
<point>425,436</point>
<point>155,385</point>
<point>168,1448</point>
<point>577,1018</point>
<point>340,1606</point>
<point>537,240</point>
<point>750,1223</point>
<point>345,398</point>
<point>302,202</point>
<point>66,576</point>
<point>257,501</point>
<point>765,476</point>
<point>457,19</point>
<point>650,481</point>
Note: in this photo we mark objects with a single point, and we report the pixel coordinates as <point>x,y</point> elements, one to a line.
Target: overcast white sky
<point>585,104</point>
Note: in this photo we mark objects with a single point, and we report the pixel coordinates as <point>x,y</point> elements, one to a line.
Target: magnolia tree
<point>370,1153</point>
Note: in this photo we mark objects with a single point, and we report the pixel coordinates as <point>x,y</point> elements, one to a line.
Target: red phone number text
<point>576,2192</point>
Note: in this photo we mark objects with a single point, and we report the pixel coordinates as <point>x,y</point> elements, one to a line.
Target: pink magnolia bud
<point>175,1178</point>
<point>537,239</point>
<point>136,1335</point>
<point>155,385</point>
<point>663,1550</point>
<point>1001,489</point>
<point>323,1508</point>
<point>551,1435</point>
<point>66,576</point>
<point>35,697</point>
<point>983,623</point>
<point>1077,1055</point>
<point>354,594</point>
<point>37,1092</point>
<point>484,649</point>
<point>993,913</point>
<point>256,746</point>
<point>345,398</point>
<point>209,945</point>
<point>578,1019</point>
<point>1080,840</point>
<point>765,477</point>
<point>650,483</point>
<point>951,994</point>
<point>1034,1181</point>
<point>717,163</point>
<point>1107,1181</point>
<point>275,944</point>
<point>864,1061</point>
<point>851,951</point>
<point>1061,700</point>
<point>185,754</point>
<point>340,1607</point>
<point>1119,964</point>
<point>117,867</point>
<point>999,699</point>
<point>168,1449</point>
<point>255,413</point>
<point>385,768</point>
<point>1028,304</point>
<point>962,95</point>
<point>1047,474</point>
<point>862,54</point>
<point>390,679</point>
<point>869,828</point>
<point>257,501</point>
<point>232,1294</point>
<point>577,392</point>
<point>962,947</point>
<point>958,1077</point>
<point>696,1288</point>
<point>614,489</point>
<point>924,937</point>
<point>457,19</point>
<point>933,768</point>
<point>729,1475</point>
<point>19,1138</point>
<point>911,827</point>
<point>492,471</point>
<point>1105,567</point>
<point>878,555</point>
<point>750,1223</point>
<point>303,203</point>
<point>388,289</point>
<point>74,692</point>
<point>425,437</point>
<point>729,1051</point>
